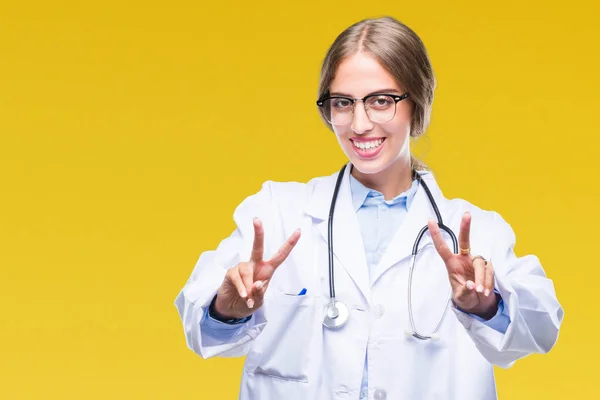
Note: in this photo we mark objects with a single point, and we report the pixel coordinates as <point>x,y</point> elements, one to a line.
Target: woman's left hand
<point>471,278</point>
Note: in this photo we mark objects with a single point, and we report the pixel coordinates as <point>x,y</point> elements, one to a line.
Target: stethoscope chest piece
<point>336,315</point>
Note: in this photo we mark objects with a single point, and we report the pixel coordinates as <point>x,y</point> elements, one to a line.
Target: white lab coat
<point>290,355</point>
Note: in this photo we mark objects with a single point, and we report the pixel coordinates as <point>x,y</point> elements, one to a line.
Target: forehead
<point>361,74</point>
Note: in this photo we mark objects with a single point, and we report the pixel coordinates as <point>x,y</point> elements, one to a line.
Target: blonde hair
<point>400,51</point>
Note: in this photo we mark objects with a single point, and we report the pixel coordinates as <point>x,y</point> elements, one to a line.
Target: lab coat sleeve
<point>193,300</point>
<point>218,329</point>
<point>529,299</point>
<point>498,322</point>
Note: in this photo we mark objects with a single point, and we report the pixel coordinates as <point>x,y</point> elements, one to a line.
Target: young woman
<point>367,326</point>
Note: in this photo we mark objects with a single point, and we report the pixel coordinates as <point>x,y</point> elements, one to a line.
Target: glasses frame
<point>397,99</point>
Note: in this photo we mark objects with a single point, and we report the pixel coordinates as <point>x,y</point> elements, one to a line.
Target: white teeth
<point>368,145</point>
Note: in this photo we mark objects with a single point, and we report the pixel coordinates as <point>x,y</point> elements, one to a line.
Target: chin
<point>369,167</point>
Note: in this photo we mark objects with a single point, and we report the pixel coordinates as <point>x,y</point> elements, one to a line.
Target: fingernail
<point>470,285</point>
<point>258,284</point>
<point>250,303</point>
<point>244,294</point>
<point>479,288</point>
<point>487,292</point>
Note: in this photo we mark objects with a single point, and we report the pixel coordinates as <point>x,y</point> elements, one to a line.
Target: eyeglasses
<point>339,110</point>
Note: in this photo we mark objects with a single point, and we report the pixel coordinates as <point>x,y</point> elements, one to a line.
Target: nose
<point>361,123</point>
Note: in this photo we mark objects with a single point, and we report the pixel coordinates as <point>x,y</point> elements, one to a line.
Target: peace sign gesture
<point>244,286</point>
<point>471,278</point>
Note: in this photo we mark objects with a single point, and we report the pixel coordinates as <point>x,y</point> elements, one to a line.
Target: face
<point>372,147</point>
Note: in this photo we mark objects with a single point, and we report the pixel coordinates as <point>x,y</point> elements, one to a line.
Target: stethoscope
<point>336,312</point>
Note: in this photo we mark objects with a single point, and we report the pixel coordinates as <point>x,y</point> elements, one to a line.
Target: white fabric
<point>291,355</point>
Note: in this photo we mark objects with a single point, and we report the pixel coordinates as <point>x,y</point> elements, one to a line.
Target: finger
<point>479,267</point>
<point>463,293</point>
<point>465,228</point>
<point>489,279</point>
<point>438,241</point>
<point>246,272</point>
<point>258,294</point>
<point>285,250</point>
<point>236,279</point>
<point>457,280</point>
<point>259,241</point>
<point>470,285</point>
<point>258,290</point>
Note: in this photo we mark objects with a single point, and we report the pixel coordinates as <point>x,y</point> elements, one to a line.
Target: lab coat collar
<point>348,246</point>
<point>360,193</point>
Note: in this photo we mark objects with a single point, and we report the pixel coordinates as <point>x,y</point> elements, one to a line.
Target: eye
<point>341,104</point>
<point>380,102</point>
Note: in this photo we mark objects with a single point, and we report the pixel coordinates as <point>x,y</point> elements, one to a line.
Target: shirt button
<point>378,311</point>
<point>380,394</point>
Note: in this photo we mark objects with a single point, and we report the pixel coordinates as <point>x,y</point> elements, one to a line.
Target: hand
<point>244,286</point>
<point>471,278</point>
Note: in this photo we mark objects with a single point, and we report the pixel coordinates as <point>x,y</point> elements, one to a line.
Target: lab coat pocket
<point>284,348</point>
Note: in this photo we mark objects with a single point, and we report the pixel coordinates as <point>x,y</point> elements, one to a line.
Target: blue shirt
<point>378,219</point>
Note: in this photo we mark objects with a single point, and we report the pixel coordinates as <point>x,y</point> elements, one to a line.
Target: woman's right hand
<point>244,286</point>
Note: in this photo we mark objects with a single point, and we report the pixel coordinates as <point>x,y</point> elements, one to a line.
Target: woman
<point>265,291</point>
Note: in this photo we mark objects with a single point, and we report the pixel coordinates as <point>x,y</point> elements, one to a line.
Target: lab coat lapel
<point>404,238</point>
<point>348,247</point>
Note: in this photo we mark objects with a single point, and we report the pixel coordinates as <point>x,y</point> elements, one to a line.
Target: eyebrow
<point>389,90</point>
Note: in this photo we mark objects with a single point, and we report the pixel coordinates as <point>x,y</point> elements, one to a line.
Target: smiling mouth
<point>365,145</point>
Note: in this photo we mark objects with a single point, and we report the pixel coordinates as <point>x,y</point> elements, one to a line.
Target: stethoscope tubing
<point>415,249</point>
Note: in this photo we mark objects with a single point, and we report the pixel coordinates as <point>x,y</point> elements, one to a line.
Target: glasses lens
<point>381,108</point>
<point>338,111</point>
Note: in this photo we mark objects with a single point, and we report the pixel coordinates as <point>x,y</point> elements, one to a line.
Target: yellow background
<point>130,130</point>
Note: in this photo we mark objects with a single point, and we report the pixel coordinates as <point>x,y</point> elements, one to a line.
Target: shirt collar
<point>362,194</point>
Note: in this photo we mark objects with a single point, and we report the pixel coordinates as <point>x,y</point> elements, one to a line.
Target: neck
<point>392,181</point>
